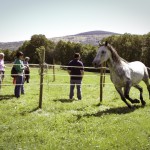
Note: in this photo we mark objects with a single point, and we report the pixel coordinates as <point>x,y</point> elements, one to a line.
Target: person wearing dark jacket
<point>76,72</point>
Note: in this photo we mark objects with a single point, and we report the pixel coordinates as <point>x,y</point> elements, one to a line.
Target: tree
<point>128,46</point>
<point>29,48</point>
<point>146,50</point>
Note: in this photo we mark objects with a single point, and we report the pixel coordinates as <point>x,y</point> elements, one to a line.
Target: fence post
<point>104,72</point>
<point>42,49</point>
<point>53,69</point>
<point>101,83</point>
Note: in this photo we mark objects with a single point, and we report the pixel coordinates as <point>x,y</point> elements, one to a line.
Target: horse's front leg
<point>119,90</point>
<point>126,93</point>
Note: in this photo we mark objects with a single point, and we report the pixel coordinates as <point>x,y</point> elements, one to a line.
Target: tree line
<point>130,47</point>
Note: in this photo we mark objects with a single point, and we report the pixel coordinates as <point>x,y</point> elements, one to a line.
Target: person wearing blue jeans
<point>76,71</point>
<point>19,66</point>
<point>19,88</point>
<point>72,86</point>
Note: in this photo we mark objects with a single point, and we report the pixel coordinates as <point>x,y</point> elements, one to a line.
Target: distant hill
<point>11,45</point>
<point>95,33</point>
<point>91,37</point>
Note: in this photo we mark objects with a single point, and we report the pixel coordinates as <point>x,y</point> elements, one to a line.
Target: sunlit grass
<point>64,124</point>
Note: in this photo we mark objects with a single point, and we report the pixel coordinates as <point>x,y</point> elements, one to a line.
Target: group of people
<point>23,72</point>
<point>75,70</point>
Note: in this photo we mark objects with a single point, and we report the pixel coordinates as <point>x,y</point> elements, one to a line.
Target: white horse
<point>123,74</point>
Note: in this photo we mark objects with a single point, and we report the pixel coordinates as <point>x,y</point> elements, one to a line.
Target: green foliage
<point>64,52</point>
<point>64,124</point>
<point>128,46</point>
<point>9,54</point>
<point>29,48</point>
<point>38,40</point>
<point>146,49</point>
<point>40,51</point>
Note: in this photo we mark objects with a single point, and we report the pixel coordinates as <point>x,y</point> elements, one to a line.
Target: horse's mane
<point>115,56</point>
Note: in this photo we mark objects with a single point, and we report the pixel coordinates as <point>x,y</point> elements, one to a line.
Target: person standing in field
<point>2,66</point>
<point>76,72</point>
<point>19,66</point>
<point>27,69</point>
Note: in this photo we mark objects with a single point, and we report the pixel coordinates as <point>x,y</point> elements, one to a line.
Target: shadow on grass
<point>64,100</point>
<point>30,111</point>
<point>6,97</point>
<point>33,110</point>
<point>119,110</point>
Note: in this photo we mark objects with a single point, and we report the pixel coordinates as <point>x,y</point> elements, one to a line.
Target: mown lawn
<point>71,125</point>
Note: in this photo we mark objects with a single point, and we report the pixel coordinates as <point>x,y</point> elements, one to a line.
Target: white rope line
<point>61,66</point>
<point>57,75</point>
<point>60,75</point>
<point>56,84</point>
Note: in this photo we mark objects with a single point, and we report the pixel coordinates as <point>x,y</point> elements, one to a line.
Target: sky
<point>20,19</point>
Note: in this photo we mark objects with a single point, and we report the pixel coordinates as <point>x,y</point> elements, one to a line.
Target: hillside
<point>10,45</point>
<point>91,37</point>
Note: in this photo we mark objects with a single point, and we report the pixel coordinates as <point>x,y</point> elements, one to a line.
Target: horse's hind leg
<point>146,80</point>
<point>126,93</point>
<point>148,87</point>
<point>119,90</point>
<point>141,92</point>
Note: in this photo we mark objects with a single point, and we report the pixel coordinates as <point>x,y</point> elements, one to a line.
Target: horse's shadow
<point>63,100</point>
<point>119,110</point>
<point>6,97</point>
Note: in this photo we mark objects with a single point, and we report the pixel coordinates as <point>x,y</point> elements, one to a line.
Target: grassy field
<point>71,125</point>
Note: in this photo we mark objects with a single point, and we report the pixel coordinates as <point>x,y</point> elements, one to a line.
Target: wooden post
<point>101,83</point>
<point>104,71</point>
<point>41,75</point>
<point>53,69</point>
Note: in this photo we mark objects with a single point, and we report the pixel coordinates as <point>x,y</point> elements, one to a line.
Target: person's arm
<point>19,66</point>
<point>2,63</point>
<point>69,72</point>
<point>69,69</point>
<point>82,72</point>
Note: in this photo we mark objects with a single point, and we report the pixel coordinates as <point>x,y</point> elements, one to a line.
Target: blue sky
<point>20,19</point>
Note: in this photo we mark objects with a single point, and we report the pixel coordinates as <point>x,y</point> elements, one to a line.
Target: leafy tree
<point>29,48</point>
<point>146,49</point>
<point>128,46</point>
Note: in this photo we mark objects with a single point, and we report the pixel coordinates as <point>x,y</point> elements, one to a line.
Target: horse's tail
<point>148,68</point>
<point>148,85</point>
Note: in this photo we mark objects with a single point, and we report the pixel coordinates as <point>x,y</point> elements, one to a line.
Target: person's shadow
<point>6,97</point>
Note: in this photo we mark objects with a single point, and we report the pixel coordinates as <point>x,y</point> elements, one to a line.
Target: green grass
<point>64,124</point>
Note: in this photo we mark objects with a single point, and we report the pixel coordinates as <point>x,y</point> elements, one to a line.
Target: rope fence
<point>43,70</point>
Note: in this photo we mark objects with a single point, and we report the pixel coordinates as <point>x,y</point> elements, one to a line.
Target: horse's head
<point>102,55</point>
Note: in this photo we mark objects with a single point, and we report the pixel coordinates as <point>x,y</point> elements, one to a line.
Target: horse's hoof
<point>143,103</point>
<point>136,101</point>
